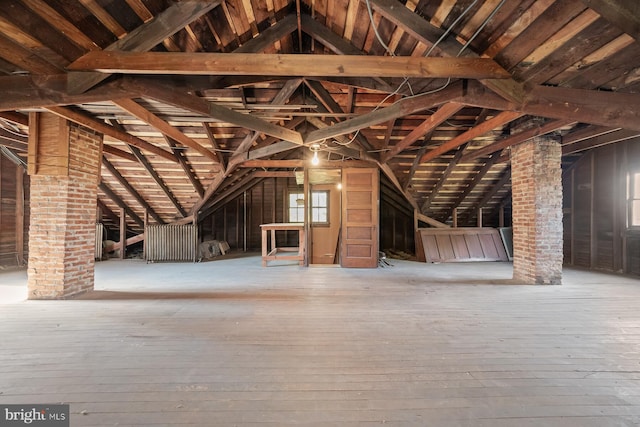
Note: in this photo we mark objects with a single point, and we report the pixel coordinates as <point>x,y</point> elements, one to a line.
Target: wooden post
<point>123,233</point>
<point>454,214</point>
<point>501,216</point>
<point>144,241</point>
<point>480,217</point>
<point>20,215</point>
<point>307,220</point>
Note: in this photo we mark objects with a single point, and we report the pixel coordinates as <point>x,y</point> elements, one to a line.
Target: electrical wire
<point>431,49</point>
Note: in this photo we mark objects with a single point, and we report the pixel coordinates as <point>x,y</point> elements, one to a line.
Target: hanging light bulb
<point>315,161</point>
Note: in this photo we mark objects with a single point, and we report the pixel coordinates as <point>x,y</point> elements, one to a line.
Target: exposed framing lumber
<point>25,59</point>
<point>472,185</point>
<point>121,203</point>
<point>43,91</point>
<point>624,14</point>
<point>118,152</point>
<point>611,109</point>
<point>104,209</point>
<point>270,35</point>
<point>432,222</point>
<point>174,96</point>
<point>445,175</point>
<point>146,36</point>
<point>214,144</point>
<point>548,127</point>
<point>442,114</point>
<point>333,107</point>
<point>425,32</point>
<point>111,131</point>
<point>599,141</point>
<point>290,164</point>
<point>134,193</point>
<point>148,117</point>
<point>240,156</point>
<point>484,127</point>
<point>416,161</point>
<point>186,167</point>
<point>282,97</point>
<point>398,109</point>
<point>506,177</point>
<point>15,117</point>
<point>535,34</point>
<point>156,177</point>
<point>249,64</point>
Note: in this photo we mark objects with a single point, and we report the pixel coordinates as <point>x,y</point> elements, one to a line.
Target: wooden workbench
<point>294,253</point>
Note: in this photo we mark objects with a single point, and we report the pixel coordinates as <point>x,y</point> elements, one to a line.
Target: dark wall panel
<point>10,199</point>
<point>596,235</point>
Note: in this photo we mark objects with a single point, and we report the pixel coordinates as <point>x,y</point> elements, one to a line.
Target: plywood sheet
<point>459,245</point>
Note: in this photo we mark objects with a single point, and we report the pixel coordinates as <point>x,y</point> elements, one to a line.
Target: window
<point>633,199</point>
<point>319,207</point>
<point>296,207</point>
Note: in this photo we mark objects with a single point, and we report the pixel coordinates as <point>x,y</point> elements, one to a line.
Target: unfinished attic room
<point>320,213</point>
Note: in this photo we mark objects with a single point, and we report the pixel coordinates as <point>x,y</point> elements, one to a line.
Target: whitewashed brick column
<point>536,182</point>
<point>63,218</point>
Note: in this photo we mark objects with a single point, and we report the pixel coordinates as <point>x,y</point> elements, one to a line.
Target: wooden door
<point>360,192</point>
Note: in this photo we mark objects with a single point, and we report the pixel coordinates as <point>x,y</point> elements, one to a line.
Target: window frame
<point>633,199</point>
<point>300,209</point>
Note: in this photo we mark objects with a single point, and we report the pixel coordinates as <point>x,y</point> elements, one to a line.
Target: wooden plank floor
<point>231,343</point>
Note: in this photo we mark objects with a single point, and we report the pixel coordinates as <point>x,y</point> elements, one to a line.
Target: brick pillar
<point>63,207</point>
<point>536,183</point>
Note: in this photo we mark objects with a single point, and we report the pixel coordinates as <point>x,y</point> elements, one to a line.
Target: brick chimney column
<point>64,164</point>
<point>536,182</point>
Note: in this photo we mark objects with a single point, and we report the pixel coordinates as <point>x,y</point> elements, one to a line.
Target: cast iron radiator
<point>171,243</point>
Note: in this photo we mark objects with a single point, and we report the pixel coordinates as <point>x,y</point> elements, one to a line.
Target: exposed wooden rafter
<point>146,36</point>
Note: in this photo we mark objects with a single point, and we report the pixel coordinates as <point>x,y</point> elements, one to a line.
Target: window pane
<point>635,213</point>
<point>636,185</point>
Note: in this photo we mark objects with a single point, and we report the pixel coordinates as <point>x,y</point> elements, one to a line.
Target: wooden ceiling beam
<point>611,109</point>
<point>445,175</point>
<point>473,184</point>
<point>586,132</point>
<point>537,32</point>
<point>106,148</point>
<point>23,58</point>
<point>495,189</point>
<point>443,113</point>
<point>499,120</point>
<point>176,97</point>
<point>214,144</point>
<point>400,108</point>
<point>242,64</point>
<point>416,162</point>
<point>132,191</point>
<point>599,141</point>
<point>157,179</point>
<point>501,144</point>
<point>148,117</point>
<point>27,92</point>
<point>146,36</point>
<point>120,135</point>
<point>288,164</point>
<point>427,33</point>
<point>590,39</point>
<point>121,203</point>
<point>624,14</point>
<point>15,117</point>
<point>186,167</point>
<point>337,44</point>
